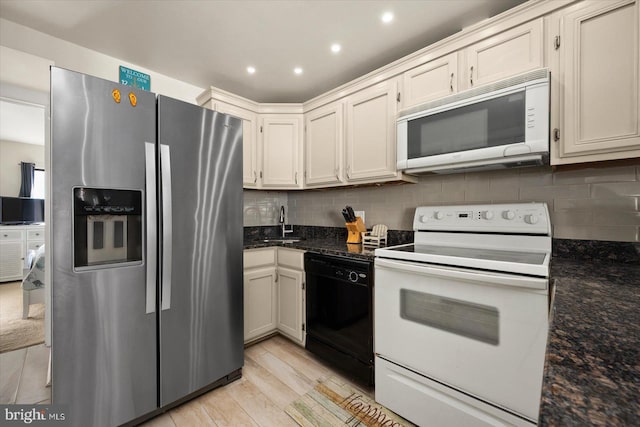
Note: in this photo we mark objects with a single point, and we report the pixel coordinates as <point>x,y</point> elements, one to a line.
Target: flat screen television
<point>21,210</point>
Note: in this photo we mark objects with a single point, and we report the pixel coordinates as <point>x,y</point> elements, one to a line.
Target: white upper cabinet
<point>249,146</point>
<point>371,132</point>
<point>324,140</point>
<point>433,80</point>
<point>281,150</point>
<point>596,85</point>
<point>506,54</point>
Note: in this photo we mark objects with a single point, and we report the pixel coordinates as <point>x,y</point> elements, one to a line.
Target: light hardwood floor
<point>276,372</point>
<point>23,376</point>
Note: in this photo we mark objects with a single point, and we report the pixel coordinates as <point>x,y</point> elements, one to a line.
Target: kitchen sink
<point>280,240</point>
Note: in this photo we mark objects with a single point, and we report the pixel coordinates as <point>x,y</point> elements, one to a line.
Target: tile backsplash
<point>598,203</point>
<point>263,207</point>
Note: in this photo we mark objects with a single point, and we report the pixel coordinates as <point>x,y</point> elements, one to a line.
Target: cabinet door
<point>281,138</point>
<point>435,79</point>
<point>371,141</point>
<point>259,302</point>
<point>290,302</point>
<point>506,54</point>
<point>599,90</point>
<point>11,260</point>
<point>249,146</point>
<point>324,142</point>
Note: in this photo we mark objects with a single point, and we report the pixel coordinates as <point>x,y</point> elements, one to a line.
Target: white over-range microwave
<point>499,125</point>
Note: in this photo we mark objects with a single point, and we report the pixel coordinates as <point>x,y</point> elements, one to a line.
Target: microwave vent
<point>538,74</point>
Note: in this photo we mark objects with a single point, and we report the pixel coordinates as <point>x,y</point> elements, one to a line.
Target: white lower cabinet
<point>274,293</point>
<point>259,302</point>
<point>16,242</point>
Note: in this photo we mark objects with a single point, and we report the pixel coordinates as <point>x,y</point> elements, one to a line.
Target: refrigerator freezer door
<point>104,343</point>
<point>201,332</point>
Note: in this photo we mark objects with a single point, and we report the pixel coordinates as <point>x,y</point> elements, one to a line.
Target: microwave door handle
<point>470,276</point>
<point>167,226</point>
<point>152,229</point>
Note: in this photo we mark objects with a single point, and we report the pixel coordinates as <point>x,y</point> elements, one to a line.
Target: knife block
<point>355,229</point>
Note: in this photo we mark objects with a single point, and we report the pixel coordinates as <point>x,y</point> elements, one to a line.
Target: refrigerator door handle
<point>152,229</point>
<point>167,228</point>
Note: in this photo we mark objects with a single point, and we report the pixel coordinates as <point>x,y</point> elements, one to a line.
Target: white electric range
<point>461,316</point>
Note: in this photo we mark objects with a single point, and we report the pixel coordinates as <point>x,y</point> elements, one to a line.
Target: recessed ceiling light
<point>297,70</point>
<point>251,70</point>
<point>387,17</point>
<point>335,48</point>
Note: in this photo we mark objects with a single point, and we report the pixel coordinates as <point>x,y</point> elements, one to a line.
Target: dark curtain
<point>26,183</point>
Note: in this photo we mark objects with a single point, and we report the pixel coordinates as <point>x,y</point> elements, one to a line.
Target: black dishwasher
<point>339,308</point>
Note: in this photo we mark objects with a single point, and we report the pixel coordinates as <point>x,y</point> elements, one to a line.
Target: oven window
<point>475,321</point>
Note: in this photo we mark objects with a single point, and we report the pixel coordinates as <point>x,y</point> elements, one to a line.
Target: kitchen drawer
<point>10,234</point>
<point>292,258</point>
<point>33,245</point>
<point>35,235</point>
<point>259,257</point>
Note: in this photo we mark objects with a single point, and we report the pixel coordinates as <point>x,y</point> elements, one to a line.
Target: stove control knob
<point>508,214</point>
<point>423,218</point>
<point>353,276</point>
<point>439,215</point>
<point>488,215</point>
<point>531,219</point>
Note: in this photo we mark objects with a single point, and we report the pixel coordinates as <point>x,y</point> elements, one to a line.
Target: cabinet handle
<point>398,97</point>
<point>296,178</point>
<point>5,235</point>
<point>556,135</point>
<point>255,177</point>
<point>451,83</point>
<point>337,172</point>
<point>471,77</point>
<point>260,174</point>
<point>348,171</point>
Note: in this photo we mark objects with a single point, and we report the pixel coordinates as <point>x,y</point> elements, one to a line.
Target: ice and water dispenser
<point>107,227</point>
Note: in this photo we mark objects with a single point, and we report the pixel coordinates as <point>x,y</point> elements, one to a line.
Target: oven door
<point>483,333</point>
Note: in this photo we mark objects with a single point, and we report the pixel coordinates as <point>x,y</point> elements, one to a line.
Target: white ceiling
<point>21,122</point>
<point>207,42</point>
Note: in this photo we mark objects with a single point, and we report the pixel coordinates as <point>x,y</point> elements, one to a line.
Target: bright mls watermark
<point>38,415</point>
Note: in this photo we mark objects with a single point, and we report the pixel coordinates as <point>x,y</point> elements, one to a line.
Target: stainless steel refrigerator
<point>146,227</point>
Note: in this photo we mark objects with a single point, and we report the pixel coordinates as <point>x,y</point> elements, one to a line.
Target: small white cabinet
<point>371,133</point>
<point>281,151</point>
<point>291,303</point>
<point>433,80</point>
<point>11,253</point>
<point>324,140</point>
<point>596,81</point>
<point>260,293</point>
<point>16,242</point>
<point>506,54</point>
<point>274,293</point>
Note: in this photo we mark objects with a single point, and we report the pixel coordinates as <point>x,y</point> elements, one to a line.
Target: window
<point>37,191</point>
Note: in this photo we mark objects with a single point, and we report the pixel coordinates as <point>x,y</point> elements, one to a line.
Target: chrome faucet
<point>281,221</point>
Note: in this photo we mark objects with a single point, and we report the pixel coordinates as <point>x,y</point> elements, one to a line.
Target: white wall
<point>77,58</point>
<point>11,154</point>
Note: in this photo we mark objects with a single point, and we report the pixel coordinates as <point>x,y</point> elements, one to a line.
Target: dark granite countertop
<point>329,246</point>
<point>592,367</point>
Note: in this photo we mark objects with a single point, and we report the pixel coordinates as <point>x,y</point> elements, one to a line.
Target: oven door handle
<point>484,277</point>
